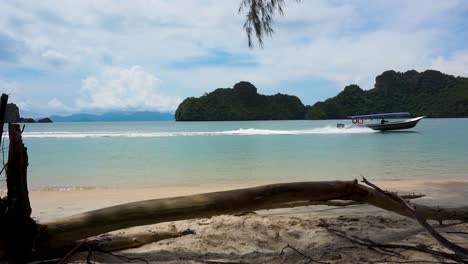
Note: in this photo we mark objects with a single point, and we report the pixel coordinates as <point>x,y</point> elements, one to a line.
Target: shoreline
<point>201,184</point>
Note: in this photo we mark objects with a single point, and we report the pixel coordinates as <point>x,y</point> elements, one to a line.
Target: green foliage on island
<point>242,102</point>
<point>429,93</point>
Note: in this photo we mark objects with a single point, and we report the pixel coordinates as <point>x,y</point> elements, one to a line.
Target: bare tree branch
<point>422,221</point>
<point>388,247</point>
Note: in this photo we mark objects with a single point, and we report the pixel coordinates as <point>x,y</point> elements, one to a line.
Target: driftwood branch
<point>120,242</point>
<point>422,221</point>
<point>295,250</point>
<point>388,248</point>
<point>63,231</point>
<point>107,243</point>
<point>338,203</point>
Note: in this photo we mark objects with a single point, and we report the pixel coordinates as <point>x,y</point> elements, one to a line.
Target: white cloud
<point>456,64</point>
<point>8,87</point>
<point>56,105</point>
<point>54,57</point>
<point>124,88</point>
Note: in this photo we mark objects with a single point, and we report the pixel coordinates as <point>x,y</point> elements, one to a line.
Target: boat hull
<point>398,125</point>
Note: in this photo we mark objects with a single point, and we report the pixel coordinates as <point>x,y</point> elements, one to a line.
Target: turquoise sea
<point>154,153</point>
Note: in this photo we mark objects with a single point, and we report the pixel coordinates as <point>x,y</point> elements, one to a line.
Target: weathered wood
<point>3,106</point>
<point>20,227</point>
<point>125,241</point>
<point>109,243</point>
<point>3,202</point>
<point>188,207</point>
<point>227,202</point>
<point>337,203</point>
<point>422,221</point>
<point>18,196</point>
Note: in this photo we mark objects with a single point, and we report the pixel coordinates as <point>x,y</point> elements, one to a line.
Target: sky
<point>63,57</point>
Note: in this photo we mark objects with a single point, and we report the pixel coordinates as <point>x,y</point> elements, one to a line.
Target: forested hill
<point>430,93</point>
<point>242,102</point>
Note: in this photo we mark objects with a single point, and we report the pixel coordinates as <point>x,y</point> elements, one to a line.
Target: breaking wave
<point>238,132</point>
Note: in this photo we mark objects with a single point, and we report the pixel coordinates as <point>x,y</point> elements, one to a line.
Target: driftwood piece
<point>388,248</point>
<point>125,241</point>
<point>463,252</point>
<point>155,211</point>
<point>113,242</point>
<point>188,207</point>
<point>337,203</point>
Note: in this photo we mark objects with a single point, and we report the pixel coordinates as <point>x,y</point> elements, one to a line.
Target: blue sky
<point>61,57</point>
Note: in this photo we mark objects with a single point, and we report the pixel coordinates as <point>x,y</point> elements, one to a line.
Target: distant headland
<point>13,116</point>
<point>430,93</point>
<point>116,116</point>
<point>242,102</point>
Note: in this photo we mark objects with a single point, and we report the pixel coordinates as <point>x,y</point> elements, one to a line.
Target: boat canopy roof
<point>383,115</point>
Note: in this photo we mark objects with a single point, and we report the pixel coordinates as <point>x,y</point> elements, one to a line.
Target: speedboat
<point>384,125</point>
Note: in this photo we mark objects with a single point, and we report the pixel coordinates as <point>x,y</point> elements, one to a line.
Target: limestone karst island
<point>430,93</point>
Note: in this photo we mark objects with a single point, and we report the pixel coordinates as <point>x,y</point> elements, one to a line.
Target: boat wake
<point>238,132</point>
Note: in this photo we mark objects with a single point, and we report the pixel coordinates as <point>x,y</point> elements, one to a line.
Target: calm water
<point>152,153</point>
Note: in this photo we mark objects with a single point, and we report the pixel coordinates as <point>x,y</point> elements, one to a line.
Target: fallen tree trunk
<point>63,231</point>
<point>336,203</point>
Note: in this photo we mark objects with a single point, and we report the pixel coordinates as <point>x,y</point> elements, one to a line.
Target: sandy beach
<point>260,237</point>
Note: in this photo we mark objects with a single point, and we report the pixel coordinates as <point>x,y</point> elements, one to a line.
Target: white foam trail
<point>238,132</point>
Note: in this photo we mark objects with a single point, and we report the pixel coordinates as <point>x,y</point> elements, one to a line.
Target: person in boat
<point>383,121</point>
